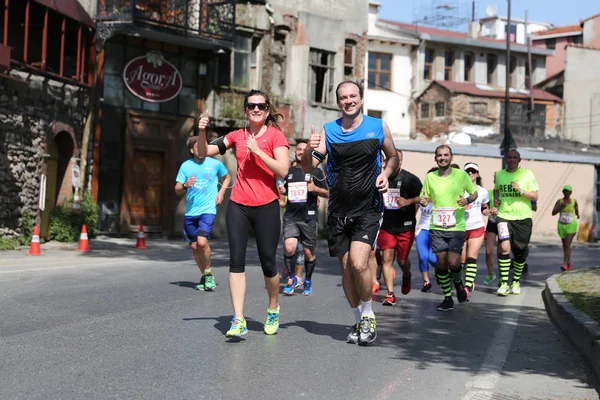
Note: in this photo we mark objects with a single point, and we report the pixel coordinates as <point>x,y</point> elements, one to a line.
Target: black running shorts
<point>519,231</point>
<point>450,241</point>
<point>344,230</point>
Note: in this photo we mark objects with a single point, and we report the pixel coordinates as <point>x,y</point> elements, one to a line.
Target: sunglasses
<point>261,106</point>
<point>471,171</point>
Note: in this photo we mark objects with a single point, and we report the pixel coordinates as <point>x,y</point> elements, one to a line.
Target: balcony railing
<point>208,18</point>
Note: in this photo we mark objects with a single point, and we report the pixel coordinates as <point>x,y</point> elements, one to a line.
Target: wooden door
<point>147,170</point>
<point>146,189</point>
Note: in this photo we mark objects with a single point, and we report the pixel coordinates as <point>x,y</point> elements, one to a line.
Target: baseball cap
<point>568,187</point>
<point>471,166</point>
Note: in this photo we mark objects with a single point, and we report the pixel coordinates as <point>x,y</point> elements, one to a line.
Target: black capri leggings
<point>266,222</point>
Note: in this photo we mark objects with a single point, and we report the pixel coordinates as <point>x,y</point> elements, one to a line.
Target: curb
<point>581,329</point>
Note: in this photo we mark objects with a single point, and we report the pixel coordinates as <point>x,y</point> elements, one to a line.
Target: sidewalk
<point>102,246</point>
<point>580,328</point>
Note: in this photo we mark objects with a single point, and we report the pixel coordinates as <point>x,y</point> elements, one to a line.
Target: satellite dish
<point>490,11</point>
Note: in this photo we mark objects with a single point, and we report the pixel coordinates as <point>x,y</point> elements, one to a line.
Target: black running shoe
<point>368,331</point>
<point>446,305</point>
<point>354,334</point>
<point>461,293</point>
<point>426,287</point>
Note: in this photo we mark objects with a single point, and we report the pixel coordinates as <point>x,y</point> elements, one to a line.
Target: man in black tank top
<point>300,221</point>
<point>356,183</point>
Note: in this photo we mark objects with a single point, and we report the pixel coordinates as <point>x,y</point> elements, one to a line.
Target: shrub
<point>65,225</point>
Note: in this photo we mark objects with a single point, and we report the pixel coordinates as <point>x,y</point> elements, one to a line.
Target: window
<point>551,44</point>
<point>513,32</point>
<point>578,39</point>
<point>492,63</point>
<point>428,70</point>
<point>440,109</point>
<point>448,64</point>
<point>380,71</point>
<point>512,68</point>
<point>478,109</point>
<point>469,59</point>
<point>424,111</point>
<point>349,58</point>
<point>375,114</point>
<point>321,76</point>
<point>240,59</point>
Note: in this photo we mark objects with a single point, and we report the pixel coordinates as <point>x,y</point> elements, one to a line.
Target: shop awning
<point>69,8</point>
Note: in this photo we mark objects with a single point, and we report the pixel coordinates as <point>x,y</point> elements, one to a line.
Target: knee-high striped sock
<point>504,267</point>
<point>471,272</point>
<point>444,278</point>
<point>517,271</point>
<point>457,275</point>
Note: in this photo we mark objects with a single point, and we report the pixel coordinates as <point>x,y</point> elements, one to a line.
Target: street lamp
<point>508,143</point>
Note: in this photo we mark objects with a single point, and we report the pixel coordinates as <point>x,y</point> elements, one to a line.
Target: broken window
<point>478,109</point>
<point>321,76</point>
<point>349,58</point>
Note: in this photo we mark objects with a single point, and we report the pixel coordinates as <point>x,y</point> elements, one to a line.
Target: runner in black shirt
<point>300,221</point>
<point>397,232</point>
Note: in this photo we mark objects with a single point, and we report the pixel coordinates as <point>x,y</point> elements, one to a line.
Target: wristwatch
<point>522,192</point>
<point>184,185</point>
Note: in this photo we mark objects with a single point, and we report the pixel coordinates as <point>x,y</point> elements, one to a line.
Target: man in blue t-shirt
<point>198,178</point>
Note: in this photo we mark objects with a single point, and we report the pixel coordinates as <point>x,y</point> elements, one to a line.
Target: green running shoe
<point>489,279</point>
<point>209,281</point>
<point>515,288</point>
<point>503,290</point>
<point>200,286</point>
<point>238,328</point>
<point>272,324</point>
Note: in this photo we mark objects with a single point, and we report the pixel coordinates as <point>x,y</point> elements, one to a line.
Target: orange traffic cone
<point>84,244</point>
<point>141,241</point>
<point>34,248</point>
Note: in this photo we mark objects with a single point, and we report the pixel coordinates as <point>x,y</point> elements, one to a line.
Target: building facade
<point>46,75</point>
<point>495,27</point>
<point>388,84</point>
<point>468,108</point>
<point>162,64</point>
<point>557,39</point>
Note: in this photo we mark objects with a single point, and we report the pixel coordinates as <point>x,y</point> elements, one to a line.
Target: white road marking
<point>489,372</point>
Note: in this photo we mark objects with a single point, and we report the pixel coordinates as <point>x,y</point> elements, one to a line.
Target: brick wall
<point>32,110</point>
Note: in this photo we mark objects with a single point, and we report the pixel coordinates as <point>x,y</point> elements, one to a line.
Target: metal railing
<point>211,18</point>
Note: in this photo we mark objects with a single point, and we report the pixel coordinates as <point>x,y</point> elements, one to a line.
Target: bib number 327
<point>444,217</point>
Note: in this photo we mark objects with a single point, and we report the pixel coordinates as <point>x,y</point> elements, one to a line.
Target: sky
<point>557,12</point>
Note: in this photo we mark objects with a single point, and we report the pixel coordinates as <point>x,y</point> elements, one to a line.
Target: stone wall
<point>30,107</point>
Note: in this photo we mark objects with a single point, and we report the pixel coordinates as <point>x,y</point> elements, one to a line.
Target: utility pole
<point>508,143</point>
<point>530,72</point>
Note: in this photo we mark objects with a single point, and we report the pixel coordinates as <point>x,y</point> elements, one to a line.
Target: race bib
<point>503,232</point>
<point>565,218</point>
<point>297,192</point>
<point>444,217</point>
<point>390,199</point>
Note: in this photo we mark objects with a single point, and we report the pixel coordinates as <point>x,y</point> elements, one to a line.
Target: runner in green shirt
<point>445,188</point>
<point>567,209</point>
<point>514,189</point>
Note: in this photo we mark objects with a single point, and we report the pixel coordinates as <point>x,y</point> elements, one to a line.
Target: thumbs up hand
<point>315,138</point>
<point>203,122</point>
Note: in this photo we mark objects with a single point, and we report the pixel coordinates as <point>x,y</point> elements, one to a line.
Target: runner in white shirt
<point>475,230</point>
<point>426,255</point>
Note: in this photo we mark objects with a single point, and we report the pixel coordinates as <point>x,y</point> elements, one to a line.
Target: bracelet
<point>469,200</point>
